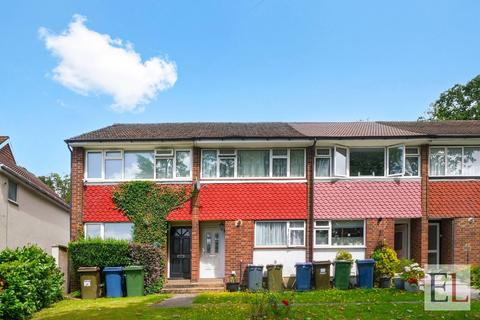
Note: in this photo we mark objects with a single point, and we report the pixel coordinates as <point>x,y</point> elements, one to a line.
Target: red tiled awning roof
<point>454,199</point>
<point>367,199</point>
<point>99,207</point>
<point>253,201</point>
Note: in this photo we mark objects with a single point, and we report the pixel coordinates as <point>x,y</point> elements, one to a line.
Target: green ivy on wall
<point>147,205</point>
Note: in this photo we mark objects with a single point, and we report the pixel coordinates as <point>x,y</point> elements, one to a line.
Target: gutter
<point>310,198</point>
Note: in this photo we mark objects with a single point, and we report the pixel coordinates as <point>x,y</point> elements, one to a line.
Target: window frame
<point>288,229</point>
<point>104,163</point>
<point>330,229</point>
<point>102,228</point>
<point>235,156</point>
<point>329,157</point>
<point>387,162</point>
<point>10,184</point>
<point>417,155</point>
<point>445,150</point>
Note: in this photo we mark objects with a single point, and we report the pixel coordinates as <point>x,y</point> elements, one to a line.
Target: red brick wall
<point>195,204</point>
<point>238,247</point>
<point>467,241</point>
<point>446,241</point>
<point>383,230</point>
<point>77,175</point>
<point>310,158</point>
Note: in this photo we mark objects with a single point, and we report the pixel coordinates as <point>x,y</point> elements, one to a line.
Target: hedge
<point>112,253</point>
<point>29,281</point>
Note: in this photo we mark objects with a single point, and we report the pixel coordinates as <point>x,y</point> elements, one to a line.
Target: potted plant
<point>233,285</point>
<point>398,281</point>
<point>385,262</point>
<point>412,275</point>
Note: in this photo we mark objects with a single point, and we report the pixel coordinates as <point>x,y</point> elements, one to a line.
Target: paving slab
<point>177,301</point>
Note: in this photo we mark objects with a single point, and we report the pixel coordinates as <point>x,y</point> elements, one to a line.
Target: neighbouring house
<point>30,212</point>
<point>289,192</point>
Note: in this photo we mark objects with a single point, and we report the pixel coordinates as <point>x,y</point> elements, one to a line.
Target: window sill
<point>279,247</point>
<point>103,181</point>
<point>15,203</point>
<point>453,177</point>
<point>340,247</point>
<point>366,178</point>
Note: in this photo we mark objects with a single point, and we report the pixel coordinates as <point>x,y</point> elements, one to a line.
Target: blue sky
<point>252,60</point>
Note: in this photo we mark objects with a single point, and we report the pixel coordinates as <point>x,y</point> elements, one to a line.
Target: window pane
<point>271,233</point>
<point>113,154</point>
<point>253,163</point>
<point>395,160</point>
<point>323,152</point>
<point>209,163</point>
<point>340,161</point>
<point>411,166</point>
<point>119,231</point>
<point>94,165</point>
<point>347,233</point>
<point>217,242</point>
<point>321,237</point>
<point>227,167</point>
<point>279,167</point>
<point>471,161</point>
<point>437,161</point>
<point>297,163</point>
<point>322,167</point>
<point>113,169</point>
<point>367,162</point>
<point>296,237</point>
<point>454,161</point>
<point>139,165</point>
<point>164,168</point>
<point>92,231</point>
<point>411,151</point>
<point>296,224</point>
<point>279,152</point>
<point>182,168</point>
<point>321,223</point>
<point>12,190</point>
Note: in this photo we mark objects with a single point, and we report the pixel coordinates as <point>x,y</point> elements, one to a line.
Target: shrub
<point>344,255</point>
<point>475,276</point>
<point>98,253</point>
<point>270,305</point>
<point>402,263</point>
<point>150,257</point>
<point>386,261</point>
<point>29,281</point>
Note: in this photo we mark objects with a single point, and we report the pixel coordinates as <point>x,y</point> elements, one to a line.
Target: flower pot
<point>411,287</point>
<point>399,283</point>
<point>385,282</point>
<point>233,286</point>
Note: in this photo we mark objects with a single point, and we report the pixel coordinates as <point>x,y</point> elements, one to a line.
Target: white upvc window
<point>253,163</point>
<point>111,230</point>
<point>396,160</point>
<point>113,164</point>
<point>173,164</point>
<point>454,161</point>
<point>412,161</point>
<point>280,234</point>
<point>323,162</point>
<point>94,165</point>
<point>340,161</point>
<point>339,233</point>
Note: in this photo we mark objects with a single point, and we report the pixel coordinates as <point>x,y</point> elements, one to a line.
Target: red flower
<point>412,281</point>
<point>285,302</point>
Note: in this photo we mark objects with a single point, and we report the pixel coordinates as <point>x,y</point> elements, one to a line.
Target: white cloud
<point>91,62</point>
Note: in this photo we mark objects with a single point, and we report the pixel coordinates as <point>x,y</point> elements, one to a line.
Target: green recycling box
<point>134,278</point>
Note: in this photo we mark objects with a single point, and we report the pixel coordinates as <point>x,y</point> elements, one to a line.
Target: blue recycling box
<point>113,281</point>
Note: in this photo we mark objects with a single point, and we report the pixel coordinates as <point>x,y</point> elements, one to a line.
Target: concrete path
<point>177,301</point>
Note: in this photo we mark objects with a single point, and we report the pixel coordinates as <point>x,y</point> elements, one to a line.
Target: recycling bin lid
<point>342,261</point>
<point>321,262</point>
<point>365,261</point>
<point>88,269</point>
<point>132,268</point>
<point>274,265</point>
<point>303,264</point>
<point>112,269</point>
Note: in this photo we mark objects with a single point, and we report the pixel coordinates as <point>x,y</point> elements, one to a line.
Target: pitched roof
<point>453,199</point>
<point>253,201</point>
<point>9,165</point>
<point>367,199</point>
<point>3,139</point>
<point>189,131</point>
<point>98,206</point>
<point>280,130</point>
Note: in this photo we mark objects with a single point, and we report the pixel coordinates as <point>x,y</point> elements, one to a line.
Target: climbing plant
<point>147,205</point>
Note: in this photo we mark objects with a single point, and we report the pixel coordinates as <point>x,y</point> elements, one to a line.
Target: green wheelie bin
<point>134,279</point>
<point>342,274</point>
<point>274,277</point>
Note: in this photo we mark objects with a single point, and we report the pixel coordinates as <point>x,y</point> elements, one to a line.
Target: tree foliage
<point>461,102</point>
<point>59,184</point>
<point>147,205</point>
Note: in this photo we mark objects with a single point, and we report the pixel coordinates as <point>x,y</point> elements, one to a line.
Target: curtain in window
<point>471,161</point>
<point>253,163</point>
<point>182,168</point>
<point>296,237</point>
<point>279,167</point>
<point>437,161</point>
<point>139,165</point>
<point>209,163</point>
<point>297,163</point>
<point>322,167</point>
<point>271,233</point>
<point>454,161</point>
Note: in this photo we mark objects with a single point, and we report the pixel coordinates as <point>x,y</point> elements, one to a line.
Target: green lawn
<point>330,304</point>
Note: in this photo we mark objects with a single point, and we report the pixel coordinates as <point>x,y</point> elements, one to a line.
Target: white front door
<point>212,259</point>
<point>401,240</point>
<point>434,243</point>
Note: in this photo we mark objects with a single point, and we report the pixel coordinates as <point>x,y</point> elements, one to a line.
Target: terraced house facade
<point>289,192</point>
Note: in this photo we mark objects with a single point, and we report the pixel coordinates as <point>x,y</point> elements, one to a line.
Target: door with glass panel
<point>434,243</point>
<point>401,240</point>
<point>180,252</point>
<point>212,259</point>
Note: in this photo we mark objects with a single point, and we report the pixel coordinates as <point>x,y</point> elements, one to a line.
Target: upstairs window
<point>367,162</point>
<point>113,165</point>
<point>171,164</point>
<point>12,191</point>
<point>412,162</point>
<point>94,164</point>
<point>455,161</point>
<point>323,164</point>
<point>139,165</point>
<point>231,163</point>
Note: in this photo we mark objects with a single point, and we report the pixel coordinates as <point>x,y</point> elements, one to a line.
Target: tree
<point>461,102</point>
<point>59,184</point>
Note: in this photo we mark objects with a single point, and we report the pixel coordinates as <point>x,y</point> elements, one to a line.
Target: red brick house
<point>289,192</point>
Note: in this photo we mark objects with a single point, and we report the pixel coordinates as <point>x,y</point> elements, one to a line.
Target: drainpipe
<point>310,198</point>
